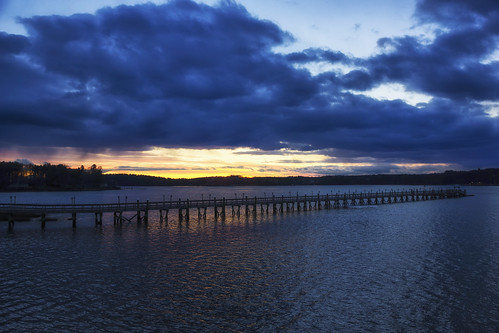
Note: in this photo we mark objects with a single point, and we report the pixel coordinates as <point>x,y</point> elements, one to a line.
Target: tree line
<point>473,177</point>
<point>19,176</point>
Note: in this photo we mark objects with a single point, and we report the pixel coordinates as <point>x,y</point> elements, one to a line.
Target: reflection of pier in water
<point>220,207</point>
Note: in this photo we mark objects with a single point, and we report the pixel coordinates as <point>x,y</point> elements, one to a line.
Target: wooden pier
<point>220,208</point>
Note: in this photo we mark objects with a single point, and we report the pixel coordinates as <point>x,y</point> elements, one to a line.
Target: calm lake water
<point>423,266</point>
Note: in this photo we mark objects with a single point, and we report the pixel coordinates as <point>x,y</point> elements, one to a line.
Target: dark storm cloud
<point>13,44</point>
<point>443,130</point>
<point>357,170</point>
<point>357,80</point>
<point>180,74</point>
<point>454,64</point>
<point>315,55</point>
<point>184,74</point>
<point>179,50</point>
<point>450,67</point>
<point>456,12</point>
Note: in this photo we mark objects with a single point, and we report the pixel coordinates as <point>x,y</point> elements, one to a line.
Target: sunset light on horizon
<point>245,162</point>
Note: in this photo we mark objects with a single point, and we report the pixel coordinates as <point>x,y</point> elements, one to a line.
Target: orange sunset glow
<point>193,163</point>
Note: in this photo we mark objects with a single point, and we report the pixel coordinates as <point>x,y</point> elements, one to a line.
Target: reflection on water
<point>423,266</point>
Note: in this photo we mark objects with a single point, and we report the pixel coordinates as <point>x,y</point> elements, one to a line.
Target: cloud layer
<point>184,74</point>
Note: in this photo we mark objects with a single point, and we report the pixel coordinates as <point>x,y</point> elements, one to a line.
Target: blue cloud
<point>185,74</point>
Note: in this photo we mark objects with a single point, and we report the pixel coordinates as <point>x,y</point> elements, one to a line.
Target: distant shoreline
<point>63,179</point>
<point>124,181</point>
<point>480,177</point>
<point>52,189</point>
<point>118,188</point>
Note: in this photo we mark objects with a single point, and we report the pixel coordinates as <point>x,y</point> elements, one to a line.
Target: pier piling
<point>276,205</point>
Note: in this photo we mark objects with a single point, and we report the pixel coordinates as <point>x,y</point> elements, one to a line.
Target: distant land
<point>16,176</point>
<point>473,177</point>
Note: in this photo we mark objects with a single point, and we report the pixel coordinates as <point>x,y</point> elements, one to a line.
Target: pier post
<point>234,211</point>
<point>146,213</point>
<point>180,216</point>
<point>73,218</point>
<point>246,209</point>
<point>43,220</point>
<point>215,208</point>
<point>138,212</point>
<point>223,207</point>
<point>98,218</point>
<point>11,222</point>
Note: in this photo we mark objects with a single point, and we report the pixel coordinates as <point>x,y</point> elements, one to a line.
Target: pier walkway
<point>222,206</point>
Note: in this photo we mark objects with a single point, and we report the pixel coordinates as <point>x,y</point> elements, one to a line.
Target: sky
<point>187,88</point>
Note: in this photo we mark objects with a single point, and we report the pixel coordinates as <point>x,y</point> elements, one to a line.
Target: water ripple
<point>427,266</point>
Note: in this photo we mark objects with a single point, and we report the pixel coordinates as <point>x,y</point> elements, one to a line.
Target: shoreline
<point>115,188</point>
<point>51,189</point>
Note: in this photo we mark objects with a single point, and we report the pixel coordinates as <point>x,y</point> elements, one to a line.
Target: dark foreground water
<point>425,266</point>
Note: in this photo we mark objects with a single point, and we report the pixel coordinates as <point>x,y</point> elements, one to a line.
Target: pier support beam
<point>117,217</point>
<point>146,213</point>
<point>236,211</point>
<point>202,213</point>
<point>163,217</point>
<point>183,215</point>
<point>98,218</point>
<point>215,208</point>
<point>11,222</point>
<point>224,203</point>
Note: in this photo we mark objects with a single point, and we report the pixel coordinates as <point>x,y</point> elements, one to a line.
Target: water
<point>422,266</point>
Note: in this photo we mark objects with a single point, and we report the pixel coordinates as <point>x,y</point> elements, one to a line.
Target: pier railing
<point>272,203</point>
